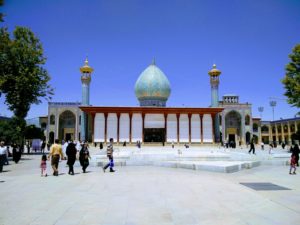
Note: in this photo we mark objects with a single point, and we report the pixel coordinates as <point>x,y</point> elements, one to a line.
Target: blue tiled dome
<point>152,88</point>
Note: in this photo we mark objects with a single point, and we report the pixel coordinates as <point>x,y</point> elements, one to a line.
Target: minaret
<point>214,83</point>
<point>86,72</point>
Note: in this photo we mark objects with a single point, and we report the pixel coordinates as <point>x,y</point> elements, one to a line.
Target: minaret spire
<point>86,72</point>
<point>214,74</point>
<point>153,61</point>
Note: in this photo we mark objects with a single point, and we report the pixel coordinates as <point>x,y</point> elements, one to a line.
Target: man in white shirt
<point>64,147</point>
<point>2,155</point>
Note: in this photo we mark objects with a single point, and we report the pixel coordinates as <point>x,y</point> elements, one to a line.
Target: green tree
<point>33,132</point>
<point>291,80</point>
<point>23,80</point>
<point>7,133</point>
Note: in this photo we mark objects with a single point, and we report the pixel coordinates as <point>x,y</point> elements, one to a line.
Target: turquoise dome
<point>152,88</point>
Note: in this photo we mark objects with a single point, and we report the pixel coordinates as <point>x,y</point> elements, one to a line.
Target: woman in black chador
<point>296,152</point>
<point>16,152</point>
<point>71,153</point>
<point>84,156</point>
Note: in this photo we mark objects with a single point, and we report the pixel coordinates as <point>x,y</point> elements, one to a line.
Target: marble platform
<point>208,159</point>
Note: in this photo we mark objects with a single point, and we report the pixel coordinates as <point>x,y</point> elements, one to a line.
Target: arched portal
<point>66,127</point>
<point>51,137</point>
<point>233,127</point>
<point>248,137</point>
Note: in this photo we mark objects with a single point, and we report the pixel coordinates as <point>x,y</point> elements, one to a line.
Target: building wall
<point>55,110</point>
<point>242,110</point>
<point>185,127</point>
<point>279,131</point>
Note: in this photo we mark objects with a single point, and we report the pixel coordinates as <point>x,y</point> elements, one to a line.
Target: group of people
<point>69,151</point>
<point>5,153</point>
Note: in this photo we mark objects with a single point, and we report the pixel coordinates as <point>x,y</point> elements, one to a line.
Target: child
<point>293,164</point>
<point>43,165</point>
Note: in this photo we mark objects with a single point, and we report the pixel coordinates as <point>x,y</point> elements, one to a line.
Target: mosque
<point>153,121</point>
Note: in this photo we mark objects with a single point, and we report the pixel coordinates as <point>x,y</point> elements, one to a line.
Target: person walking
<point>28,147</point>
<point>6,157</point>
<point>64,147</point>
<point>84,156</point>
<point>262,144</point>
<point>16,153</point>
<point>293,163</point>
<point>2,155</point>
<point>296,152</point>
<point>71,154</point>
<point>43,146</point>
<point>55,154</point>
<point>252,147</point>
<point>43,165</point>
<point>270,148</point>
<point>110,150</point>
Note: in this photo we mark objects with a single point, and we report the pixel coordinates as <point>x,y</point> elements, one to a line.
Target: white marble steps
<point>196,160</point>
<point>213,166</point>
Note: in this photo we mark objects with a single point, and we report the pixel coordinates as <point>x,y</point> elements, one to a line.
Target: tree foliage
<point>291,80</point>
<point>23,80</point>
<point>7,132</point>
<point>10,131</point>
<point>33,132</point>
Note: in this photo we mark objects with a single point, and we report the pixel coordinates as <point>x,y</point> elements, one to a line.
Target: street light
<point>260,110</point>
<point>273,104</point>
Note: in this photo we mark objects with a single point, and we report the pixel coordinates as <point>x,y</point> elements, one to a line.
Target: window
<point>264,129</point>
<point>279,128</point>
<point>52,119</point>
<point>255,127</point>
<point>292,128</point>
<point>247,120</point>
<point>43,125</point>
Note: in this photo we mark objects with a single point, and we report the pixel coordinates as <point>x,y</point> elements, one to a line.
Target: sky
<point>249,41</point>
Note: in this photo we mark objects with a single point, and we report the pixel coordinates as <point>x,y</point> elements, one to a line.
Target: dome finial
<point>214,71</point>
<point>86,68</point>
<point>86,62</point>
<point>153,61</point>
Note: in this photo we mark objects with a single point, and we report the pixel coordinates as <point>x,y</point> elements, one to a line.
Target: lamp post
<point>260,110</point>
<point>273,104</point>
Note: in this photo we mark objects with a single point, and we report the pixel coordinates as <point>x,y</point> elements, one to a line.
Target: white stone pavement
<point>142,195</point>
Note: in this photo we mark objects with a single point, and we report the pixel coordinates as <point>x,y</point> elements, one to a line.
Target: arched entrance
<point>154,129</point>
<point>233,127</point>
<point>51,137</point>
<point>66,127</point>
<point>248,137</point>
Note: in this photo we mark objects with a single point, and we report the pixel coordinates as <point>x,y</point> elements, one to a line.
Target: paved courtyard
<point>142,195</point>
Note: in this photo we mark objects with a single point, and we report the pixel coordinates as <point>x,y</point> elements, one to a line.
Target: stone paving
<point>142,195</point>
